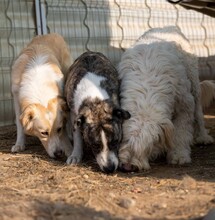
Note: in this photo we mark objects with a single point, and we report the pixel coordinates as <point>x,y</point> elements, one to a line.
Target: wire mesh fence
<point>17,26</point>
<point>108,26</point>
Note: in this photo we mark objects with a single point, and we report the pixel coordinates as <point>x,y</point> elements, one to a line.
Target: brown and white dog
<point>160,88</point>
<point>92,90</point>
<point>37,88</point>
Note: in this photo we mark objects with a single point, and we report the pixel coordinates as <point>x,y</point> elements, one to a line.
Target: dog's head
<point>100,123</point>
<point>48,124</point>
<point>144,139</point>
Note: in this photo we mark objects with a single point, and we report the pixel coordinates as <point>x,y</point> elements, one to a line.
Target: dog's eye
<point>59,130</point>
<point>45,133</point>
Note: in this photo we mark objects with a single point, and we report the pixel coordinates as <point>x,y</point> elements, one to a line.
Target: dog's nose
<point>58,153</point>
<point>110,168</point>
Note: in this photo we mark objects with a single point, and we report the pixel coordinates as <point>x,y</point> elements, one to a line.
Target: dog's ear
<point>121,114</point>
<point>59,104</point>
<point>64,106</point>
<point>27,117</point>
<point>59,101</point>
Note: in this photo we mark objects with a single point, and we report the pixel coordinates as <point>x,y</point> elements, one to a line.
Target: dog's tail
<point>207,93</point>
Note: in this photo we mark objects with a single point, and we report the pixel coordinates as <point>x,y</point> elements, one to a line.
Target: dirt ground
<point>33,186</point>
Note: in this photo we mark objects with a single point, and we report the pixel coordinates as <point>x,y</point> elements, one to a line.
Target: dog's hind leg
<point>20,140</point>
<point>183,134</point>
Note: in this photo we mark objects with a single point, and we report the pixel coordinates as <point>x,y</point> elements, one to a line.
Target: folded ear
<point>64,105</point>
<point>58,103</point>
<point>121,114</point>
<point>27,117</point>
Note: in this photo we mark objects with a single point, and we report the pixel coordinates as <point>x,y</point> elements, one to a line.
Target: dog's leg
<point>20,140</point>
<point>68,139</point>
<point>67,145</point>
<point>77,152</point>
<point>183,138</point>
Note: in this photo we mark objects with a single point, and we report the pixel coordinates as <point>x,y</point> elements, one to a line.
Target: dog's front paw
<point>73,159</point>
<point>179,159</point>
<point>17,148</point>
<point>204,140</point>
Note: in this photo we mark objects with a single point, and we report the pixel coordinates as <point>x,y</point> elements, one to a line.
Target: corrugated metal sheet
<point>108,26</point>
<point>16,29</point>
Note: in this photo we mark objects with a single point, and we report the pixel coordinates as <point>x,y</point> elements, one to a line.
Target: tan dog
<point>37,88</point>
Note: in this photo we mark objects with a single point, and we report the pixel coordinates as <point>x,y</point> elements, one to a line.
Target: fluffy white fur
<point>160,88</point>
<point>34,78</point>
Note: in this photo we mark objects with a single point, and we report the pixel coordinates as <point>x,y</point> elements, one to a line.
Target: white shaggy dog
<point>160,88</point>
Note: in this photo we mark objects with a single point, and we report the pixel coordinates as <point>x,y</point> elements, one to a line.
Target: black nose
<point>110,168</point>
<point>58,153</point>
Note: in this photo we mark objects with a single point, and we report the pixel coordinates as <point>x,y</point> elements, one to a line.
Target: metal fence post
<point>40,8</point>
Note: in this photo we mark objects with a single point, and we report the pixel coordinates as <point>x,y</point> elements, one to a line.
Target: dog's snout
<point>110,168</point>
<point>58,153</point>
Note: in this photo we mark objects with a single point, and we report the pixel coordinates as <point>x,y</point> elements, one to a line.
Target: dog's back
<point>98,64</point>
<point>167,34</point>
<point>55,44</point>
<point>52,46</point>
